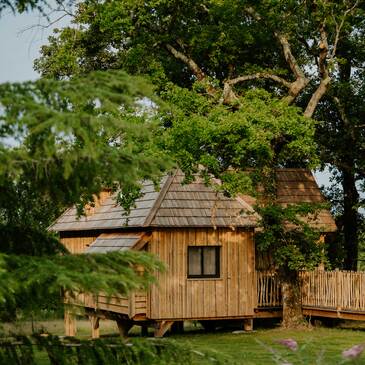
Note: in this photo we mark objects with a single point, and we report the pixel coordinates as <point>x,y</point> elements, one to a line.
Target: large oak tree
<point>211,60</point>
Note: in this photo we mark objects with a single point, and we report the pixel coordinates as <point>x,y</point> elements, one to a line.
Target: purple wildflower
<point>289,343</point>
<point>353,352</point>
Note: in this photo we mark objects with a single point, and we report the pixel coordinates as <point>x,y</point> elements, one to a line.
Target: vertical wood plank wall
<point>231,295</point>
<point>77,244</point>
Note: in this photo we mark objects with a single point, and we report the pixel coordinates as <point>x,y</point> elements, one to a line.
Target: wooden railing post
<point>268,290</point>
<point>332,290</point>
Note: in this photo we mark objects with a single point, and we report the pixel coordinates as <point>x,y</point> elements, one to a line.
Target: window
<point>203,261</point>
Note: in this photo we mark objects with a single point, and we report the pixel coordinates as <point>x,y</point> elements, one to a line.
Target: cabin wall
<point>77,244</point>
<point>178,297</point>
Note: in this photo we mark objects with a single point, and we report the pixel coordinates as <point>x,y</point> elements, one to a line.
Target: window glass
<point>194,261</point>
<point>203,261</point>
<point>209,258</point>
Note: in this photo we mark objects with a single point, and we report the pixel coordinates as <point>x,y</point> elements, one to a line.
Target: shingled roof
<point>110,215</point>
<point>108,242</point>
<point>299,186</point>
<point>195,205</point>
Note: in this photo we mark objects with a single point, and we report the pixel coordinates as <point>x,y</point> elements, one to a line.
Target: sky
<point>20,40</point>
<point>21,37</point>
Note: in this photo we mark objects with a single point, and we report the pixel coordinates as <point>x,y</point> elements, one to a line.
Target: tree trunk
<point>292,301</point>
<point>350,219</point>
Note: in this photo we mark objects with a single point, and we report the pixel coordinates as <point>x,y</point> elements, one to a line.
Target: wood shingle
<point>195,205</point>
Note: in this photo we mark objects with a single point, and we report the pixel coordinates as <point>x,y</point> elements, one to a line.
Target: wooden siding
<point>177,297</point>
<point>77,244</point>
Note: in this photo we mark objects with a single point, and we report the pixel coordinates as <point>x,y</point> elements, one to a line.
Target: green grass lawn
<point>317,345</point>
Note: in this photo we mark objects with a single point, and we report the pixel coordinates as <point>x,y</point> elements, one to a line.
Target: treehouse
<point>206,241</point>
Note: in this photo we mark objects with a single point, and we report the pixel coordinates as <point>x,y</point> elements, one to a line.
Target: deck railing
<point>334,290</point>
<point>131,305</point>
<point>268,289</point>
<point>340,290</point>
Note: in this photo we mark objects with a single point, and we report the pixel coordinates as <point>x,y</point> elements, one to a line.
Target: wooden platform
<point>326,294</point>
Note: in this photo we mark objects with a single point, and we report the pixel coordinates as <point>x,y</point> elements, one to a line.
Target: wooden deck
<point>330,294</point>
<point>334,294</point>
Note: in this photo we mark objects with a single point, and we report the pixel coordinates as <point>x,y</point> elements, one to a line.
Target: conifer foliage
<point>62,143</point>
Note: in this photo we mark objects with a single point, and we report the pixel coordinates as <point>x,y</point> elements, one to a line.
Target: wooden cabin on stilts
<point>206,241</point>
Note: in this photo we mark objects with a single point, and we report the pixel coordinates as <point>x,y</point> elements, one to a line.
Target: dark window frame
<point>217,273</point>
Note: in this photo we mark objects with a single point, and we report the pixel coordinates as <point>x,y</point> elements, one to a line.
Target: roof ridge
<point>151,215</point>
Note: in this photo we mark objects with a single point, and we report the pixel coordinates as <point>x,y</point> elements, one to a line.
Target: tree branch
<point>324,73</point>
<point>289,57</point>
<point>317,96</point>
<point>228,94</point>
<point>259,75</point>
<point>193,66</point>
<point>300,79</point>
<point>340,26</point>
<point>326,58</point>
<point>197,71</point>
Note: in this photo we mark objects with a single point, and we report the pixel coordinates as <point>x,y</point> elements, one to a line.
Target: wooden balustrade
<point>333,290</point>
<point>339,290</point>
<point>268,289</point>
<point>131,305</point>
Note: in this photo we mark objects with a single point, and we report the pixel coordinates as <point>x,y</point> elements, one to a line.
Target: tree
<point>223,45</point>
<point>206,56</point>
<point>63,142</point>
<point>342,138</point>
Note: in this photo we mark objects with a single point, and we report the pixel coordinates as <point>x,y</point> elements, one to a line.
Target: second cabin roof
<point>193,205</point>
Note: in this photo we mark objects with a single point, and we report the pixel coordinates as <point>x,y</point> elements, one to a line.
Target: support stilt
<point>162,327</point>
<point>95,331</point>
<point>248,324</point>
<point>124,326</point>
<point>70,323</point>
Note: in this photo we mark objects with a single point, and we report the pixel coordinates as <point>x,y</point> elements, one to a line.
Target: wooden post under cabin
<point>95,330</point>
<point>70,323</point>
<point>124,326</point>
<point>248,324</point>
<point>162,327</point>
